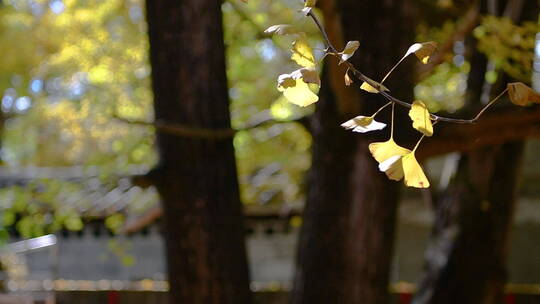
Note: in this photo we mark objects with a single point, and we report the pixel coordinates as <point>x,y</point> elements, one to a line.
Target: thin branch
<point>206,133</point>
<point>332,50</point>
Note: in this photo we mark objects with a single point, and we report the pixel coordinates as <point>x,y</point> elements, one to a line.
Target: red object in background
<point>405,298</point>
<point>510,299</point>
<point>113,297</point>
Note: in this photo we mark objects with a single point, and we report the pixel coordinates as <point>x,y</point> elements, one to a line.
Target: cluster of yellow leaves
<point>295,85</point>
<point>395,161</point>
<point>398,162</point>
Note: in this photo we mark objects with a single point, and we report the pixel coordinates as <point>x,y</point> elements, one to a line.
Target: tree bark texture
<point>196,178</point>
<point>466,260</point>
<point>346,241</point>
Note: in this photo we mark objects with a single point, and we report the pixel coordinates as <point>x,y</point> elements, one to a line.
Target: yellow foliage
<point>421,118</point>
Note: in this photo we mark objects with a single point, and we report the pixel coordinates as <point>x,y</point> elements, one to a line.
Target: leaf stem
<point>380,109</point>
<point>489,104</point>
<point>418,143</point>
<point>392,122</point>
<point>393,68</point>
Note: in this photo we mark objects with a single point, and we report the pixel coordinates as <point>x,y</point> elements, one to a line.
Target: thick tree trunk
<point>465,262</point>
<point>346,241</point>
<point>196,177</point>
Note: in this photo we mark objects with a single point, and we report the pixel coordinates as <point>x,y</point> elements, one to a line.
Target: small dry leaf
<point>302,53</point>
<point>280,29</point>
<point>422,50</point>
<point>349,50</point>
<point>373,86</point>
<point>348,80</point>
<point>522,95</point>
<point>414,175</point>
<point>363,124</point>
<point>421,118</point>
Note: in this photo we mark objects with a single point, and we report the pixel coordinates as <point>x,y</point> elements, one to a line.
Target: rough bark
<point>346,241</point>
<point>196,178</point>
<point>465,262</point>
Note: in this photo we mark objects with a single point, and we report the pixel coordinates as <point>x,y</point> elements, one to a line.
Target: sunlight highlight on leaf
<point>363,124</point>
<point>280,29</point>
<point>302,53</point>
<point>422,50</point>
<point>522,95</point>
<point>348,51</point>
<point>393,167</point>
<point>421,118</point>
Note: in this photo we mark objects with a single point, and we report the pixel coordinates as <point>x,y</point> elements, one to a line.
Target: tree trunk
<point>196,177</point>
<point>346,242</point>
<point>465,262</point>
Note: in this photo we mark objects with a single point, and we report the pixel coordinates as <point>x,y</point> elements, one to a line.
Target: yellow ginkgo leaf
<point>373,87</point>
<point>393,167</point>
<point>310,3</point>
<point>297,91</point>
<point>422,50</point>
<point>414,175</point>
<point>382,151</point>
<point>302,53</point>
<point>421,118</point>
<point>308,75</point>
<point>522,95</point>
<point>363,124</point>
<point>280,29</point>
<point>348,51</point>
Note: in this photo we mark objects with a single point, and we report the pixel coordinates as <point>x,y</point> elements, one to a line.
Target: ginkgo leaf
<point>393,167</point>
<point>414,175</point>
<point>422,50</point>
<point>382,151</point>
<point>296,91</point>
<point>348,51</point>
<point>421,118</point>
<point>310,3</point>
<point>302,53</point>
<point>373,87</point>
<point>522,95</point>
<point>348,79</point>
<point>309,75</point>
<point>280,29</point>
<point>363,124</point>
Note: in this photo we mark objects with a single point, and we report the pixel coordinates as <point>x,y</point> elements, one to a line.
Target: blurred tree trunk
<point>465,262</point>
<point>346,241</point>
<point>196,177</point>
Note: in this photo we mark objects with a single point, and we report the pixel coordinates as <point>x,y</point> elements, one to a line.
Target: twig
<point>332,50</point>
<point>206,133</point>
